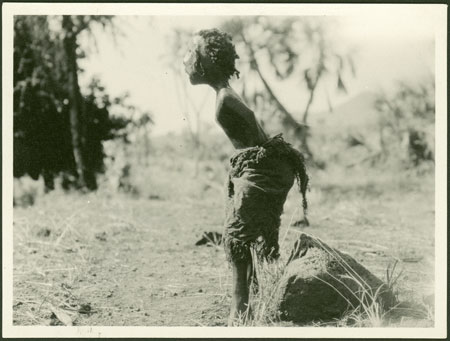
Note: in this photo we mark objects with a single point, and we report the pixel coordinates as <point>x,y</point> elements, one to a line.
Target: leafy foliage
<point>284,48</point>
<point>297,47</point>
<point>291,48</point>
<point>407,120</point>
<point>42,136</point>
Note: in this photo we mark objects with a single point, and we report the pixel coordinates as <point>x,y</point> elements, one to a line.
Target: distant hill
<point>358,112</point>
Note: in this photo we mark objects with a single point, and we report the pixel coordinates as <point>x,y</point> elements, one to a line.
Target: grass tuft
<point>369,311</point>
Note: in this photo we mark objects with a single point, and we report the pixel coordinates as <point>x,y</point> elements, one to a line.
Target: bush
<point>407,120</point>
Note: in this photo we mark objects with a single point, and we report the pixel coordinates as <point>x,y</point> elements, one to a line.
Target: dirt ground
<point>115,260</point>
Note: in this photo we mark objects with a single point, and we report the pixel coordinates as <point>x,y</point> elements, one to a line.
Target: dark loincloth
<point>259,181</point>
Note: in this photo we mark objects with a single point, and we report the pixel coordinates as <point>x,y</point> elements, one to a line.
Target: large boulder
<point>322,283</point>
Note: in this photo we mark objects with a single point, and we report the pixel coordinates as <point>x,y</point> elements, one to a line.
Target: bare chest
<point>240,127</point>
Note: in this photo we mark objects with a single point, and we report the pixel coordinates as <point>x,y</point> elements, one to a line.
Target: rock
<point>322,283</point>
<point>44,232</point>
<point>85,309</point>
<point>209,239</point>
<point>101,236</point>
<point>60,315</point>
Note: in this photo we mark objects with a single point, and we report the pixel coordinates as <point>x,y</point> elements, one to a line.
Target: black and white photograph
<point>262,170</point>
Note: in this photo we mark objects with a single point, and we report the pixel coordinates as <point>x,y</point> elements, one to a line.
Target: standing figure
<point>262,171</point>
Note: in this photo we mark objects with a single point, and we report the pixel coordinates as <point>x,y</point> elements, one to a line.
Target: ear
<point>199,66</point>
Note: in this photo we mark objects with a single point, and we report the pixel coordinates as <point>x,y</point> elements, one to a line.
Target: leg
<point>241,284</point>
<point>252,279</point>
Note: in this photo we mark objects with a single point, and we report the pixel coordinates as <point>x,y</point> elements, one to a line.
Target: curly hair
<point>221,51</point>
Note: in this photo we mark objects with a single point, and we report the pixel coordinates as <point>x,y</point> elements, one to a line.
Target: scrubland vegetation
<point>111,241</point>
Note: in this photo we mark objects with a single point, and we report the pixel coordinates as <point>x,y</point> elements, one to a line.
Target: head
<point>211,58</point>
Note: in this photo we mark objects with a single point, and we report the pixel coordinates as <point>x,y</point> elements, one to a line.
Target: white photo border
<point>181,9</point>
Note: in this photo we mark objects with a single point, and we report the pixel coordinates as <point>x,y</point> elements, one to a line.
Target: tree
<point>76,113</point>
<point>40,136</point>
<point>289,47</point>
<point>407,122</point>
<point>192,111</point>
<point>53,124</point>
<point>72,27</point>
<point>142,126</point>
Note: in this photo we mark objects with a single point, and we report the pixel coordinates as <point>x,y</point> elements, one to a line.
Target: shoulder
<point>229,99</point>
<point>225,96</point>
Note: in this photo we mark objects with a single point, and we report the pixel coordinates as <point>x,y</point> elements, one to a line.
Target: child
<point>262,170</point>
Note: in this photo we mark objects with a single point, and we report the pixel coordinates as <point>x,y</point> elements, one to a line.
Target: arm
<point>238,121</point>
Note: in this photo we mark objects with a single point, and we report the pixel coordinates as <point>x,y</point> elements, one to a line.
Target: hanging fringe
<point>275,147</point>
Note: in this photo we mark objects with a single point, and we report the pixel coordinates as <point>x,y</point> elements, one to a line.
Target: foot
<point>238,317</point>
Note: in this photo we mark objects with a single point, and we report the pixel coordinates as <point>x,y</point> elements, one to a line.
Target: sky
<point>388,48</point>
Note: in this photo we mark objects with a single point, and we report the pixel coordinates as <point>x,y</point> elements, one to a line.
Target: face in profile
<point>193,61</point>
<point>210,58</point>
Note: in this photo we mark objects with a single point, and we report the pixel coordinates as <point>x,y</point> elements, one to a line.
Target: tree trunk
<point>310,99</point>
<point>195,133</point>
<point>305,135</point>
<point>300,131</point>
<point>49,182</point>
<point>146,145</point>
<point>76,112</point>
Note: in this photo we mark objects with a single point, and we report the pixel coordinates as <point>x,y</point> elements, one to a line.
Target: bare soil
<point>115,260</point>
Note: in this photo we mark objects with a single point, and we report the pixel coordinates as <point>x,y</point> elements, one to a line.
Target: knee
<point>237,251</point>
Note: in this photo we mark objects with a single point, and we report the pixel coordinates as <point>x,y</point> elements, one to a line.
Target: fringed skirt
<point>258,184</point>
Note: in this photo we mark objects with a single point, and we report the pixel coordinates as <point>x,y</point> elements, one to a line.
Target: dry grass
<point>369,311</point>
<point>132,260</point>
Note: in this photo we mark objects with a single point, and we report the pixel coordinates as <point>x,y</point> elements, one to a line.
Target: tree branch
<point>255,66</point>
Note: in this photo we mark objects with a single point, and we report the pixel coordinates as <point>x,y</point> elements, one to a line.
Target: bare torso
<point>238,121</point>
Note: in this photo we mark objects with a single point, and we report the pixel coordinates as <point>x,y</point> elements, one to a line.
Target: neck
<point>220,85</point>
